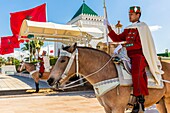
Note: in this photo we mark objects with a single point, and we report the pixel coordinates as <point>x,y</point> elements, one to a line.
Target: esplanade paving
<point>19,82</point>
<point>22,82</point>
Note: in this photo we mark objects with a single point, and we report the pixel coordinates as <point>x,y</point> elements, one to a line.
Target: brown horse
<point>90,60</point>
<point>30,67</point>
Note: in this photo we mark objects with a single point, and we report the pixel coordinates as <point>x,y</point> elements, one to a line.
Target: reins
<point>67,86</point>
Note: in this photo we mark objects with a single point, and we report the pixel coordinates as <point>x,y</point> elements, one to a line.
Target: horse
<point>30,67</point>
<point>90,60</point>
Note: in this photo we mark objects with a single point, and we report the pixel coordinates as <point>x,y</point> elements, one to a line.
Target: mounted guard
<point>142,53</point>
<point>44,65</point>
<point>39,70</point>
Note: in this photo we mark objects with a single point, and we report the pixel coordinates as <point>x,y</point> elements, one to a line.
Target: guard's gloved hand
<point>106,22</point>
<point>116,51</point>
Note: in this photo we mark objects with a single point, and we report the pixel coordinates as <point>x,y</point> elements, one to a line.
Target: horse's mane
<point>66,48</point>
<point>93,49</point>
<point>29,63</point>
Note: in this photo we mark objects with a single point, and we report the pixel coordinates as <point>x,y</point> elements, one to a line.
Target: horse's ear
<point>72,48</point>
<point>75,45</point>
<point>62,46</point>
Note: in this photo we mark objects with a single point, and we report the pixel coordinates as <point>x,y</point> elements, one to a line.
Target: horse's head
<point>64,67</point>
<point>21,66</point>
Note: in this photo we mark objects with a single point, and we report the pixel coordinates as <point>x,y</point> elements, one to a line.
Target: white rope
<point>73,86</point>
<point>167,81</point>
<point>91,73</point>
<point>67,86</point>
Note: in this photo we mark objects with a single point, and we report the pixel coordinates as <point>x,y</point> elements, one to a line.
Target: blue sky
<point>156,13</point>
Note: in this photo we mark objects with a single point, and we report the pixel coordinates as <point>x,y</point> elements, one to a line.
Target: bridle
<point>70,62</point>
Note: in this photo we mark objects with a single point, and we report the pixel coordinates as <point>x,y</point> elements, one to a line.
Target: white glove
<point>106,22</point>
<point>116,50</point>
<point>38,67</point>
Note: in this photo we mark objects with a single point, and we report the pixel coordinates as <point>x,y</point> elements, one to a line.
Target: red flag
<point>35,14</point>
<point>6,42</point>
<point>10,41</point>
<point>15,42</point>
<point>6,45</point>
<point>6,50</point>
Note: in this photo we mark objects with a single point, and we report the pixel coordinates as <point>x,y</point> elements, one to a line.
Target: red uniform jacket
<point>42,68</point>
<point>132,37</point>
<point>138,61</point>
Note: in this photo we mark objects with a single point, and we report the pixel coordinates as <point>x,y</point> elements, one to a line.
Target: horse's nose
<point>50,81</point>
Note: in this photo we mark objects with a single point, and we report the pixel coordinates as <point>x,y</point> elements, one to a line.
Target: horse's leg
<point>120,110</point>
<point>37,87</point>
<point>106,108</point>
<point>167,104</point>
<point>161,106</point>
<point>37,83</point>
<point>109,109</point>
<point>36,79</point>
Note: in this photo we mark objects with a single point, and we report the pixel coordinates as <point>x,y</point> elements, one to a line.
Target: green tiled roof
<point>84,9</point>
<point>166,54</point>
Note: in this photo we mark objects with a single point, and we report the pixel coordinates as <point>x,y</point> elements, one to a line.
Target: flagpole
<point>29,51</point>
<point>105,26</point>
<point>14,56</point>
<point>48,49</point>
<point>46,13</point>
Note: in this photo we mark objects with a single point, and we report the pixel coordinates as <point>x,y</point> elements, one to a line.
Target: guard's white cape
<point>149,50</point>
<point>46,63</point>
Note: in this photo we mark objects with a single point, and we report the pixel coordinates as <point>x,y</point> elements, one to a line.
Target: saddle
<point>124,68</point>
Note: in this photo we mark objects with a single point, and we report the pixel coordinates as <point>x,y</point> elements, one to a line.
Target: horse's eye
<point>62,61</point>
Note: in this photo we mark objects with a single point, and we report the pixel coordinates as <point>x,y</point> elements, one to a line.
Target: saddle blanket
<point>125,78</point>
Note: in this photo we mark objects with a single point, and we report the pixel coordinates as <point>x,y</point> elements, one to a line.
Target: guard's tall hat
<point>135,9</point>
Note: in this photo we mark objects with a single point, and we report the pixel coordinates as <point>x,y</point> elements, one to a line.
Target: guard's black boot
<point>135,108</point>
<point>141,101</point>
<point>139,106</point>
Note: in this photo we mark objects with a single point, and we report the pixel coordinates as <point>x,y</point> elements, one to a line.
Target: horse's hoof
<point>37,91</point>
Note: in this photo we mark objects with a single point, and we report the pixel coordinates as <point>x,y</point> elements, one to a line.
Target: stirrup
<point>130,105</point>
<point>129,108</point>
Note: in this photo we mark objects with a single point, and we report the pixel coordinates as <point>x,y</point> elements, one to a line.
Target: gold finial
<point>119,25</point>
